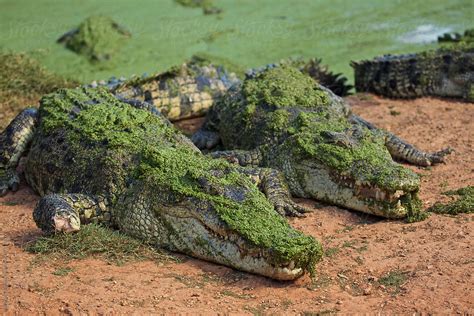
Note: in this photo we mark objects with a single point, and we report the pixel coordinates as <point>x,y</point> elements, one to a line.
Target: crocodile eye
<point>338,139</point>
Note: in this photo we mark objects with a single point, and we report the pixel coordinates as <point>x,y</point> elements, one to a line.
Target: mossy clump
<point>97,38</point>
<point>207,6</point>
<point>25,76</point>
<point>23,81</point>
<point>283,86</point>
<point>463,202</point>
<point>95,118</point>
<point>414,205</point>
<point>95,241</point>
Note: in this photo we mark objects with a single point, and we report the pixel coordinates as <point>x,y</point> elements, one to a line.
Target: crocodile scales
<point>445,72</point>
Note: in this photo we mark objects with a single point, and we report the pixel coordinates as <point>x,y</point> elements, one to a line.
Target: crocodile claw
<point>438,156</point>
<point>286,207</point>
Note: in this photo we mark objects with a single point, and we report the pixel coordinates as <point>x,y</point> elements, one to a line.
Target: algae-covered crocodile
<point>96,158</point>
<point>280,118</point>
<point>445,72</point>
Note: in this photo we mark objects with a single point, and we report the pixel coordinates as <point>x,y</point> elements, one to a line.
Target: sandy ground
<point>434,258</point>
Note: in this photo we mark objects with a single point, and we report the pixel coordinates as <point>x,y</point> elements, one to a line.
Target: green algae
<point>470,96</point>
<point>97,118</point>
<point>336,82</point>
<point>414,205</point>
<point>463,202</point>
<point>98,38</point>
<point>282,87</point>
<point>265,31</point>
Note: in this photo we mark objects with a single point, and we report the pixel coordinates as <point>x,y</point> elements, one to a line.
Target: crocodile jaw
<point>211,241</point>
<point>197,230</point>
<point>319,183</point>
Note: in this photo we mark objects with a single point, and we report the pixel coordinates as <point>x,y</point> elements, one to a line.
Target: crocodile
<point>283,120</point>
<point>444,72</point>
<point>93,157</point>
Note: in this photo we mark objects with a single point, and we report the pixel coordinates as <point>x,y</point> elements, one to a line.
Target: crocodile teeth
<point>291,266</point>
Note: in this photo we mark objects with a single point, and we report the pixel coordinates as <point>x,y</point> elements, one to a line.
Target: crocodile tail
<point>402,76</point>
<point>443,72</point>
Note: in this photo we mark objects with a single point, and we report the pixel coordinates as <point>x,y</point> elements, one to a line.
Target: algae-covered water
<point>247,33</point>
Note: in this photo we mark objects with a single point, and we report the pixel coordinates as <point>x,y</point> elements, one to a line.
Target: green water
<point>249,32</point>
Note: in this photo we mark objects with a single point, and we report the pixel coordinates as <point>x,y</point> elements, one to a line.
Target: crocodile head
<point>208,209</point>
<point>306,132</point>
<point>349,166</point>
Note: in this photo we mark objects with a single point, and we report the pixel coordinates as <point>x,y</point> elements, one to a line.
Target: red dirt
<point>434,257</point>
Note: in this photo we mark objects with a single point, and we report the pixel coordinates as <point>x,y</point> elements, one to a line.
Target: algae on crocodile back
<point>166,166</point>
<point>282,87</point>
<point>463,202</point>
<point>98,38</point>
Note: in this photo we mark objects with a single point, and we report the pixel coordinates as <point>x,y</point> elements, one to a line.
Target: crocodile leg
<point>14,142</point>
<point>272,183</point>
<point>401,150</point>
<point>204,139</point>
<point>66,212</point>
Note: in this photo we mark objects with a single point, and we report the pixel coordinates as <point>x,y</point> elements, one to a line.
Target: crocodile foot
<point>205,139</point>
<point>438,156</point>
<point>286,207</point>
<point>9,180</point>
<point>54,213</point>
